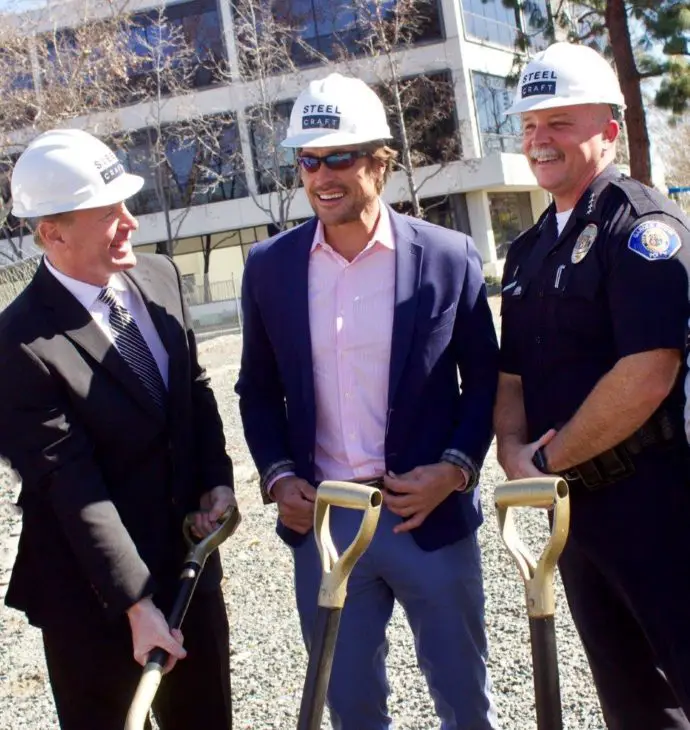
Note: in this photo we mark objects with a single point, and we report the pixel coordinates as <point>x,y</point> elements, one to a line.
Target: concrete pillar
<point>462,78</point>
<point>540,200</point>
<point>482,230</point>
<point>228,29</point>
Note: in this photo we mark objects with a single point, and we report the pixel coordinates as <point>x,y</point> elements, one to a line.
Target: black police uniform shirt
<point>614,283</point>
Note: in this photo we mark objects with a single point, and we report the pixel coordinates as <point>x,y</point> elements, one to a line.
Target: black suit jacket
<point>107,476</point>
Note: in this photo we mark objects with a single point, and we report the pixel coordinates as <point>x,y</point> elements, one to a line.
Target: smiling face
<point>567,147</point>
<point>343,196</point>
<point>90,245</point>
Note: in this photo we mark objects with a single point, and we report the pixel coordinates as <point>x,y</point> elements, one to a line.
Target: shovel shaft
<point>319,669</point>
<point>547,691</point>
<point>188,581</point>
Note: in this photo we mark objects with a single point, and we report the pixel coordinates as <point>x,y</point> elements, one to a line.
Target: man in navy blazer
<point>356,324</point>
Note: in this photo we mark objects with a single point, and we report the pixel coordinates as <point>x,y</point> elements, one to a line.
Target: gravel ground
<point>269,660</point>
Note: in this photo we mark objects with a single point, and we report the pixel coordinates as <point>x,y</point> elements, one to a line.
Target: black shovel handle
<point>547,690</point>
<point>319,669</point>
<point>189,579</point>
<point>194,563</point>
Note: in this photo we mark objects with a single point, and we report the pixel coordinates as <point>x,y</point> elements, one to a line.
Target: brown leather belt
<point>377,482</point>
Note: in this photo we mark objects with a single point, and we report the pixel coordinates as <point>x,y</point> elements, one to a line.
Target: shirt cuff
<point>453,456</point>
<point>275,471</point>
<point>269,485</point>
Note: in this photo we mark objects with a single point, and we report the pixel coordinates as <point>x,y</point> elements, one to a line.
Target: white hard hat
<point>566,74</point>
<point>335,112</point>
<point>68,169</point>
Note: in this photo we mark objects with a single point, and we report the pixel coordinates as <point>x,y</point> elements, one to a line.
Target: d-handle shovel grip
<point>547,493</point>
<point>336,570</point>
<point>199,550</point>
<point>194,563</point>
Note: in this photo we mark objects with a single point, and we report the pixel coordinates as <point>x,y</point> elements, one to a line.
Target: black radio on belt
<point>616,463</point>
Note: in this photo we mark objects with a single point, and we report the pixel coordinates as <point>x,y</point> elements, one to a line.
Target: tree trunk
<point>635,120</point>
<point>207,265</point>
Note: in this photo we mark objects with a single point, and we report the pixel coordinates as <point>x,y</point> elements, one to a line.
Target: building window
<point>275,165</point>
<point>192,165</point>
<point>429,114</point>
<point>500,132</point>
<point>331,27</point>
<point>182,42</point>
<point>196,24</point>
<point>449,211</point>
<point>511,214</point>
<point>492,21</point>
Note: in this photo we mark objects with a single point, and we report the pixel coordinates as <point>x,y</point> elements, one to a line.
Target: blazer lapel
<point>77,324</point>
<point>296,306</point>
<point>408,267</point>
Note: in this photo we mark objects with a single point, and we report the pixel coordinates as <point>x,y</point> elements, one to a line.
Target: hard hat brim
<point>532,104</point>
<point>118,191</point>
<point>332,139</point>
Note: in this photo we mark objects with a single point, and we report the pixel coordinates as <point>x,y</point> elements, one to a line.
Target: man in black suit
<point>110,422</point>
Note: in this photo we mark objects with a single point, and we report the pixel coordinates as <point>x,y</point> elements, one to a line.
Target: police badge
<point>584,243</point>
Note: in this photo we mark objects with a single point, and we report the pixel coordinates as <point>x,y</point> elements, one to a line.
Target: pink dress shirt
<point>351,323</point>
<point>351,308</point>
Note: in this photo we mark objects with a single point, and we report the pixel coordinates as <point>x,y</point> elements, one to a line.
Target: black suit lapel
<point>77,324</point>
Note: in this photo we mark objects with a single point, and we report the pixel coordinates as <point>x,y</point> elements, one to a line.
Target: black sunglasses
<point>334,161</point>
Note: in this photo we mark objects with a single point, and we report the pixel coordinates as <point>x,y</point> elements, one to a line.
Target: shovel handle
<point>546,493</point>
<point>194,563</point>
<point>335,574</point>
<point>337,569</point>
<point>199,550</point>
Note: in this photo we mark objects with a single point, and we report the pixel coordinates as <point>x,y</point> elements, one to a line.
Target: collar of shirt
<point>382,234</point>
<point>86,294</point>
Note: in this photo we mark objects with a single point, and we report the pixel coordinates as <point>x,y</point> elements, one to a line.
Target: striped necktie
<point>130,343</point>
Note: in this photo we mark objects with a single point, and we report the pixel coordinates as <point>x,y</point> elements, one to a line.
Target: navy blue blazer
<point>442,323</point>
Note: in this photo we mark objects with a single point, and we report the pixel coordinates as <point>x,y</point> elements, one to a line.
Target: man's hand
<point>516,460</point>
<point>295,498</point>
<point>150,630</point>
<point>213,505</point>
<point>414,495</point>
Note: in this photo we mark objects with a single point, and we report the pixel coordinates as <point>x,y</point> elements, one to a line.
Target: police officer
<point>594,313</point>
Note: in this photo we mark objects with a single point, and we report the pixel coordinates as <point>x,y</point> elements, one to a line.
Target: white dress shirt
<point>130,298</point>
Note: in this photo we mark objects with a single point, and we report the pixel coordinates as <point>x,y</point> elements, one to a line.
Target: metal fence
<point>15,277</point>
<point>214,305</point>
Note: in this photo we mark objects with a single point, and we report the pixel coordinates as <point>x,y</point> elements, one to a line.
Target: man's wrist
<point>141,605</point>
<point>466,464</point>
<point>457,475</point>
<point>270,488</point>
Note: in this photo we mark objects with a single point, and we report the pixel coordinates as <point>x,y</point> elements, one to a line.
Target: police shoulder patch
<point>654,241</point>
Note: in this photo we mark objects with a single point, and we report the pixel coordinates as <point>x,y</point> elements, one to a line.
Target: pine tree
<point>612,25</point>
